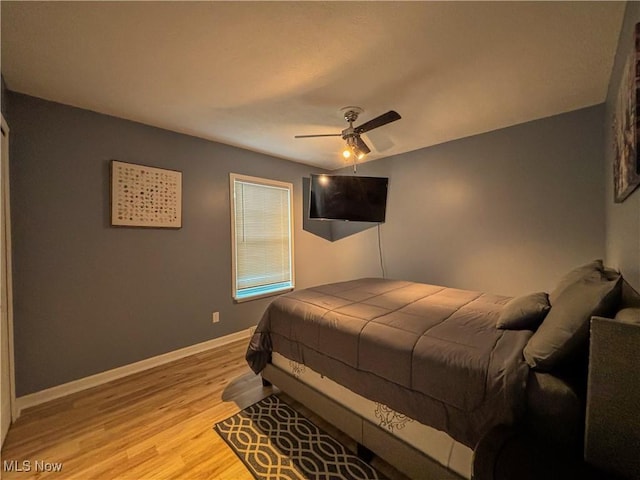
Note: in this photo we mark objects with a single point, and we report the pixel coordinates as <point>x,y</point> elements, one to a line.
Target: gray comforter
<point>430,352</point>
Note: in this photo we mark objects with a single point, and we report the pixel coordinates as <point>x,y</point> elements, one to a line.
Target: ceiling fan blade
<point>390,116</point>
<point>320,135</point>
<point>361,145</point>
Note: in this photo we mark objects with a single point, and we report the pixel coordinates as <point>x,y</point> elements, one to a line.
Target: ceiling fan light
<point>351,149</point>
<point>359,154</point>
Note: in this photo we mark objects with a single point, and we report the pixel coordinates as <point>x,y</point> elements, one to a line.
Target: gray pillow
<point>593,269</point>
<point>566,328</point>
<point>524,312</point>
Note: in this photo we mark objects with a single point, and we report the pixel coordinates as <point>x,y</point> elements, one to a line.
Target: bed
<point>434,367</point>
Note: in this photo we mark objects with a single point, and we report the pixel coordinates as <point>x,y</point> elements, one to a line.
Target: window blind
<point>262,237</point>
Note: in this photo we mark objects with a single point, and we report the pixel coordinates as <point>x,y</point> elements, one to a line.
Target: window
<point>262,236</point>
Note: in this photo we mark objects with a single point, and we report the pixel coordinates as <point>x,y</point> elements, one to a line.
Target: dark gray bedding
<point>430,352</point>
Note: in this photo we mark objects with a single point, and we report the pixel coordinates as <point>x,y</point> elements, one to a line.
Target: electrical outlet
<point>215,317</point>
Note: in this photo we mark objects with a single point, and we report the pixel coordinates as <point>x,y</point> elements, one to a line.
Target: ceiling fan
<point>355,145</point>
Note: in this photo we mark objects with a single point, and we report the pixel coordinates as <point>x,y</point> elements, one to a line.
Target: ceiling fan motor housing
<point>351,115</point>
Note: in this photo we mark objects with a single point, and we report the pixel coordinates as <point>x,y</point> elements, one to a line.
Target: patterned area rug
<point>276,442</point>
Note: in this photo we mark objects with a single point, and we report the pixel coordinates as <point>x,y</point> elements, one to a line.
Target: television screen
<point>347,197</point>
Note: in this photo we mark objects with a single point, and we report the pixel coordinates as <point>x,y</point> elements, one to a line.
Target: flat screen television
<point>348,197</point>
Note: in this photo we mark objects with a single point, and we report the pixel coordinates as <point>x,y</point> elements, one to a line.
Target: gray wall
<point>507,212</point>
<point>90,297</point>
<point>622,219</point>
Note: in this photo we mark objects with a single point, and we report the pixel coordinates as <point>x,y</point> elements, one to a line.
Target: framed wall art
<point>626,163</point>
<point>143,196</point>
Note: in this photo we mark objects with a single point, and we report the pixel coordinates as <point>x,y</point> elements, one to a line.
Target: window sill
<point>256,296</point>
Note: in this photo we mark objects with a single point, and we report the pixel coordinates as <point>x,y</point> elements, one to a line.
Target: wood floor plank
<point>156,424</point>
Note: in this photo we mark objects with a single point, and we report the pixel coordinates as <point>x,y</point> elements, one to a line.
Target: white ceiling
<point>254,74</point>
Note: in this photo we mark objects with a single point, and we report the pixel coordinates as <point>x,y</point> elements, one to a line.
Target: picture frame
<point>626,162</point>
<point>144,196</point>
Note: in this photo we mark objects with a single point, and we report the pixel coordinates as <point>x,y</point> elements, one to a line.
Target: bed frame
<point>368,436</point>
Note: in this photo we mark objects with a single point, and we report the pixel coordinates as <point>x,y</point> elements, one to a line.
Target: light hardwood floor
<point>156,424</point>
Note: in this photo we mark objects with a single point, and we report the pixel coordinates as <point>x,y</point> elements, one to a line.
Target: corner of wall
<point>3,96</point>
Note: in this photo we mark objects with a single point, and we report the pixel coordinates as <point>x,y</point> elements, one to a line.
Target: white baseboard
<point>37,398</point>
